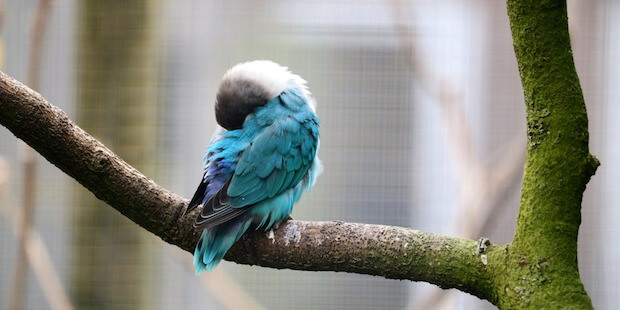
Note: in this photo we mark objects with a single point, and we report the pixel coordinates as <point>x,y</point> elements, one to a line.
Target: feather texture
<point>255,174</point>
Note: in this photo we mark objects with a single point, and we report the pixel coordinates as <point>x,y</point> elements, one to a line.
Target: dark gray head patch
<point>235,99</point>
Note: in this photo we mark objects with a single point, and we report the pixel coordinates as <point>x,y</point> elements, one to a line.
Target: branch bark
<point>558,162</point>
<point>391,252</point>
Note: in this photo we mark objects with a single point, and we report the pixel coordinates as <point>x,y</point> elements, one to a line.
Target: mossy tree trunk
<point>116,103</point>
<point>541,268</point>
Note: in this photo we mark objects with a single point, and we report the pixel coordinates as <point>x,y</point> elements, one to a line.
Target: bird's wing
<point>215,168</point>
<point>220,160</point>
<point>217,210</point>
<point>198,197</point>
<point>276,160</point>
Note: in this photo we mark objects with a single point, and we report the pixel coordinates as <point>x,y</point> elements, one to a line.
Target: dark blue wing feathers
<point>198,197</point>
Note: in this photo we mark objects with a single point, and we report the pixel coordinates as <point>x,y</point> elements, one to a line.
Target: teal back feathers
<point>257,170</point>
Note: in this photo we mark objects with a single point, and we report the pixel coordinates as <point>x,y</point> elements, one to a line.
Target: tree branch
<point>391,252</point>
<point>558,162</point>
<point>48,130</point>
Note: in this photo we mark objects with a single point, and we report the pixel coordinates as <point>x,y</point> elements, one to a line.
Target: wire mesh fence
<point>421,117</point>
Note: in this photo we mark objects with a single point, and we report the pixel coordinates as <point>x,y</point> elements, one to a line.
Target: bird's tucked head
<point>249,85</point>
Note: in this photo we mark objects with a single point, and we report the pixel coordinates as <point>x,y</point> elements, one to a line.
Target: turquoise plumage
<point>261,160</point>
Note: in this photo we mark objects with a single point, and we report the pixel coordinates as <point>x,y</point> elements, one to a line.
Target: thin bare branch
<point>218,284</point>
<point>36,43</point>
<point>24,227</point>
<point>482,188</point>
<point>29,163</point>
<point>45,273</point>
<point>37,254</point>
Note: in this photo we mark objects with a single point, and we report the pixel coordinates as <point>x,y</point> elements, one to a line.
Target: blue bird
<point>260,160</point>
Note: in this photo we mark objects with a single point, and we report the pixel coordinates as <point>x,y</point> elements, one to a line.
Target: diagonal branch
<point>391,252</point>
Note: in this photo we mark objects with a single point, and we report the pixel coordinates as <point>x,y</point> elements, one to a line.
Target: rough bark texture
<point>387,251</point>
<point>392,252</point>
<point>48,130</point>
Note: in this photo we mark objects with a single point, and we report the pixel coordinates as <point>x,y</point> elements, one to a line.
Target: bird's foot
<point>277,224</point>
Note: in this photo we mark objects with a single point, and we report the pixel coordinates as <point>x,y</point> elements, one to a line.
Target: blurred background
<point>422,126</point>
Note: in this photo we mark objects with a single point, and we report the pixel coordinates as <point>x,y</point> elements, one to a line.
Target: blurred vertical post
<point>117,104</point>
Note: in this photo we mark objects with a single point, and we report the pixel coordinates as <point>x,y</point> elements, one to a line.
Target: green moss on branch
<point>558,162</point>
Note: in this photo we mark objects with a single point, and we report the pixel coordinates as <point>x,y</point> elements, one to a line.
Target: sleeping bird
<point>261,158</point>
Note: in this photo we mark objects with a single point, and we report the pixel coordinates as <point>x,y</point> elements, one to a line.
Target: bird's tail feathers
<point>216,241</point>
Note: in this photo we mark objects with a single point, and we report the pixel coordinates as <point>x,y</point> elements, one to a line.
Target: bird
<point>260,160</point>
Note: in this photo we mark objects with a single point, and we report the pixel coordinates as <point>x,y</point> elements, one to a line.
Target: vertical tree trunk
<point>542,266</point>
<point>117,104</point>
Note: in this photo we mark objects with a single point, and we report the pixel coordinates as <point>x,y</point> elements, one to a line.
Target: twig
<point>217,282</point>
<point>36,43</point>
<point>24,228</point>
<point>482,189</point>
<point>38,257</point>
<point>36,252</point>
<point>29,163</point>
<point>46,275</point>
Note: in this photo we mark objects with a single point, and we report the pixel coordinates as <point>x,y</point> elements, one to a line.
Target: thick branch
<point>391,252</point>
<point>558,162</point>
<point>388,251</point>
<point>50,132</point>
